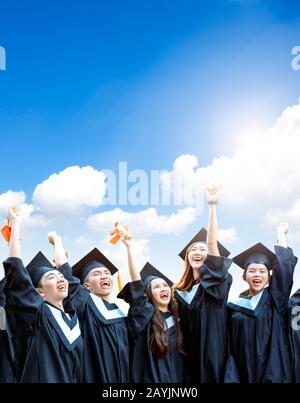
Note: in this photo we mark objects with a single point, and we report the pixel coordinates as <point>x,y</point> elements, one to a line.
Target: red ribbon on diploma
<point>6,231</point>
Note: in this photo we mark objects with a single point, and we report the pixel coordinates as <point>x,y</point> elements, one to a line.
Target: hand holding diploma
<point>13,215</point>
<point>119,232</point>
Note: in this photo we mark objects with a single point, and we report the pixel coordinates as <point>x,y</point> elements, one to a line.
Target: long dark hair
<point>187,279</point>
<point>159,343</point>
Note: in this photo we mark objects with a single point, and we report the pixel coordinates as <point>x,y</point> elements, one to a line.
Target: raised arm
<point>282,231</point>
<point>14,243</point>
<point>60,256</point>
<point>133,270</point>
<point>281,282</point>
<point>212,229</point>
<point>23,301</point>
<point>78,294</point>
<point>215,278</point>
<point>141,310</point>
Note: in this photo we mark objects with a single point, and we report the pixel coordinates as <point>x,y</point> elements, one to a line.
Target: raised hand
<point>52,236</point>
<point>13,214</point>
<point>283,228</point>
<point>14,242</point>
<point>126,239</point>
<point>212,192</point>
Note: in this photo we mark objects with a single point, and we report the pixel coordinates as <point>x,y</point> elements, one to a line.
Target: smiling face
<point>53,287</point>
<point>99,282</point>
<point>161,293</point>
<point>197,254</point>
<point>257,276</point>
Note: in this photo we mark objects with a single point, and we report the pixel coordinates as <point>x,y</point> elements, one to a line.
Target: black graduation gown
<point>6,342</point>
<point>104,328</point>
<point>294,333</point>
<point>203,318</point>
<point>258,327</point>
<point>49,345</point>
<point>145,366</point>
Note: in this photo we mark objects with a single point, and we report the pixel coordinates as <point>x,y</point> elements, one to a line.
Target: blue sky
<point>98,82</point>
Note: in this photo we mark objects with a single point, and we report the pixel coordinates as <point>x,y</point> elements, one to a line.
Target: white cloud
<point>294,237</point>
<point>31,217</point>
<point>70,189</point>
<point>144,223</point>
<point>263,171</point>
<point>183,184</point>
<point>290,215</point>
<point>82,241</point>
<point>11,198</point>
<point>118,256</point>
<point>227,236</point>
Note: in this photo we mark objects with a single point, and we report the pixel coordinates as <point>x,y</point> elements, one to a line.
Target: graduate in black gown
<point>49,346</point>
<point>153,323</point>
<point>202,294</point>
<point>294,333</point>
<point>258,319</point>
<point>104,328</point>
<point>7,373</point>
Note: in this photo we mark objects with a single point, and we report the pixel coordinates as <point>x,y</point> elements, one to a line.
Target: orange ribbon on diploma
<point>6,231</point>
<point>118,232</point>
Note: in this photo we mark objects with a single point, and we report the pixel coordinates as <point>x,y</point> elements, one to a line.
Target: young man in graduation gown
<point>49,346</point>
<point>7,373</point>
<point>294,334</point>
<point>202,295</point>
<point>258,325</point>
<point>104,327</point>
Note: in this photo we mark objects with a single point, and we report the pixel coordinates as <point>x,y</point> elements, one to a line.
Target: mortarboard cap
<point>38,266</point>
<point>91,261</point>
<point>201,237</point>
<point>149,273</point>
<point>258,253</point>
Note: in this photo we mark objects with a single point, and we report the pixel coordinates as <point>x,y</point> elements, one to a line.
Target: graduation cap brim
<point>201,237</point>
<point>38,266</point>
<point>257,253</point>
<point>81,268</point>
<point>149,270</point>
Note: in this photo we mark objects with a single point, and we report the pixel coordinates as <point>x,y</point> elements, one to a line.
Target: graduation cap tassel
<point>120,285</point>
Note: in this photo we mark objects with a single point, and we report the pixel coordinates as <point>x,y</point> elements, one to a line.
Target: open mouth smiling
<point>164,295</point>
<point>105,283</point>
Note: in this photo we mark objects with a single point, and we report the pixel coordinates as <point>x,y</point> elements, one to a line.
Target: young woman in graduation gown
<point>294,334</point>
<point>104,327</point>
<point>157,346</point>
<point>258,319</point>
<point>7,374</point>
<point>202,294</point>
<point>48,342</point>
